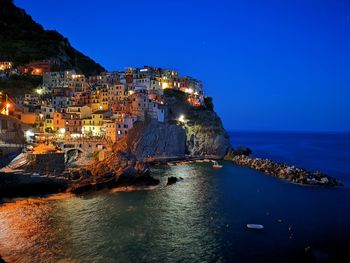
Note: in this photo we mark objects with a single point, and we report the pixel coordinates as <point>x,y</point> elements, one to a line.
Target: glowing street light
<point>39,91</point>
<point>165,85</point>
<point>181,118</point>
<point>6,110</point>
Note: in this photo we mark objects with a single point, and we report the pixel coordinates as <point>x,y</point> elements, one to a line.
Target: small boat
<point>170,164</point>
<point>255,226</point>
<point>216,165</point>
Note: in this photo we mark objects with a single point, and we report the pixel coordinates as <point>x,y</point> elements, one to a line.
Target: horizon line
<point>286,131</point>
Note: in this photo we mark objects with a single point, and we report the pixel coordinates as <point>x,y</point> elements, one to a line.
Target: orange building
<point>5,65</point>
<point>59,122</point>
<point>36,68</point>
<point>28,118</point>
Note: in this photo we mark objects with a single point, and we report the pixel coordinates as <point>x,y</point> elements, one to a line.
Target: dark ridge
<point>22,40</point>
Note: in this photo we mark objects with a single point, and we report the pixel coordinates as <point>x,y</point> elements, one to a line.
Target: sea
<point>201,219</point>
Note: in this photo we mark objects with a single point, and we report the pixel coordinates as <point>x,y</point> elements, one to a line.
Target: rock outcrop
<point>205,134</point>
<point>200,134</point>
<point>18,184</point>
<point>152,138</point>
<point>119,168</point>
<point>173,180</point>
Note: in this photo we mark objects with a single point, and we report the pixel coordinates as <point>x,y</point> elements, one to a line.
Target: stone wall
<point>48,163</point>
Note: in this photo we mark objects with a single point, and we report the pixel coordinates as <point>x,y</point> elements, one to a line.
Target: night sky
<point>269,65</point>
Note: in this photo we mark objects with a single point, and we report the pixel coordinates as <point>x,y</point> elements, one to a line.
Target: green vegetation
<point>179,95</point>
<point>208,101</point>
<point>22,40</point>
<point>18,85</point>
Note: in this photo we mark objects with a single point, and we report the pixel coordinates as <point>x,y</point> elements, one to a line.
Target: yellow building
<point>48,125</point>
<point>111,131</point>
<point>5,65</point>
<point>104,100</point>
<point>96,101</point>
<point>82,111</point>
<point>93,126</point>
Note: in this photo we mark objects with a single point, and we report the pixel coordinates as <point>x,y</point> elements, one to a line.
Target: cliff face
<point>202,132</point>
<point>22,40</point>
<point>205,135</point>
<point>148,139</point>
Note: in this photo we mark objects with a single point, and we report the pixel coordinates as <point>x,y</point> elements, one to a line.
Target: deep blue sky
<point>269,65</point>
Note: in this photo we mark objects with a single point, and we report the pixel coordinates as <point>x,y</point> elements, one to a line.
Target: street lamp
<point>181,118</point>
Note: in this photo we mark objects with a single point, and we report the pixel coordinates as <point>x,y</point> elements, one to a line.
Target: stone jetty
<point>284,171</point>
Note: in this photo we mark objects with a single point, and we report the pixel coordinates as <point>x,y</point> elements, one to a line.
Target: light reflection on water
<point>200,219</point>
<point>145,225</point>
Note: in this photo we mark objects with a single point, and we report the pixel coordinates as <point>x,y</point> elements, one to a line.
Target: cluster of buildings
<point>71,105</point>
<point>38,68</point>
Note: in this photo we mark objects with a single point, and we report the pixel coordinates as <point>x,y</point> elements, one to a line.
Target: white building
<point>61,102</point>
<point>57,79</point>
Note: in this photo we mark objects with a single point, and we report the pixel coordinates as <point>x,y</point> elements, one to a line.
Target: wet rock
<point>72,156</point>
<point>120,168</point>
<point>21,185</point>
<point>172,180</point>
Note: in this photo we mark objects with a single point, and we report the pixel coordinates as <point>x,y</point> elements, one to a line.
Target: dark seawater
<point>201,219</point>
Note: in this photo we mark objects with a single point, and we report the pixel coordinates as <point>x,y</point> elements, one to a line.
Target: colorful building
<point>36,67</point>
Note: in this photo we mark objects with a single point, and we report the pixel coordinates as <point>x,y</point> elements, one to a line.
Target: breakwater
<point>284,171</point>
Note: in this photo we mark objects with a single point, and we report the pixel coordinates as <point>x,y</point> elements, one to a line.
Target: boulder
<point>172,180</point>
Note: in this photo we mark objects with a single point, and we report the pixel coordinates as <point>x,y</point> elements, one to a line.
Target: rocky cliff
<point>151,138</point>
<point>200,134</point>
<point>119,168</point>
<point>205,134</point>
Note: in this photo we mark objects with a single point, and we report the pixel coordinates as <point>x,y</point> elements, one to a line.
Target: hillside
<point>22,40</point>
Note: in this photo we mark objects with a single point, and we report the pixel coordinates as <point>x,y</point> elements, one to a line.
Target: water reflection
<point>31,231</point>
<point>169,222</point>
<point>199,219</point>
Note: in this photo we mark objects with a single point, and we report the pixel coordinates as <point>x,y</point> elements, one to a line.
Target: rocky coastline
<point>119,169</point>
<point>21,184</point>
<point>200,135</point>
<point>283,171</point>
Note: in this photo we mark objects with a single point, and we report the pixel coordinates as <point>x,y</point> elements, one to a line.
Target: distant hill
<point>22,40</point>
